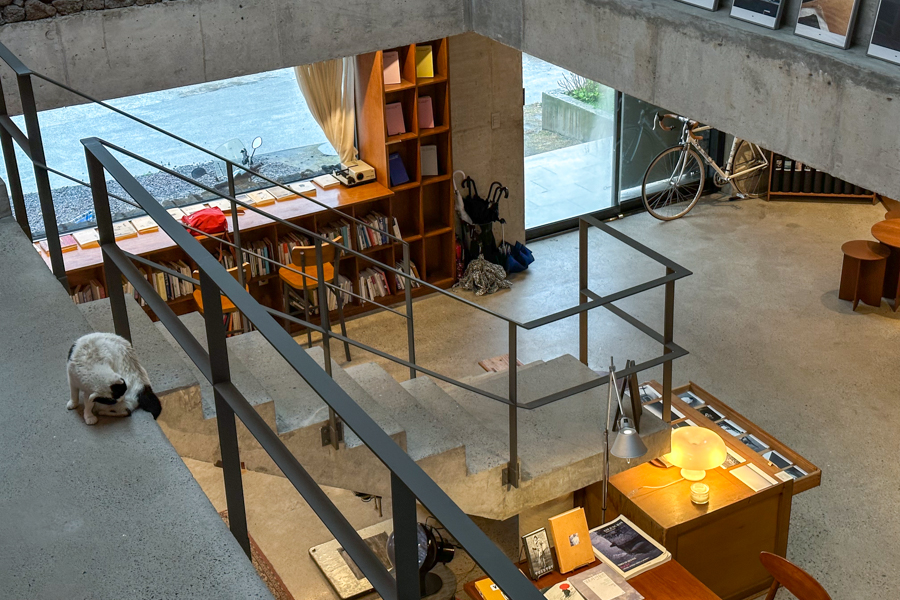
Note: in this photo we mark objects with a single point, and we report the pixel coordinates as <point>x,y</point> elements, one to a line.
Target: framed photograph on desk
<point>537,553</point>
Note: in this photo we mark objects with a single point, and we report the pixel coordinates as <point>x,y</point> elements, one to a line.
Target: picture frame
<point>707,4</point>
<point>814,16</point>
<point>885,41</point>
<point>766,13</point>
<point>538,553</point>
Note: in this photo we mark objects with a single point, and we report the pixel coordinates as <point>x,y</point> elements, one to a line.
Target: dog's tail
<point>149,402</point>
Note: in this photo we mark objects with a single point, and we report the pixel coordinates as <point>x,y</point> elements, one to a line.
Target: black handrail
<point>408,479</point>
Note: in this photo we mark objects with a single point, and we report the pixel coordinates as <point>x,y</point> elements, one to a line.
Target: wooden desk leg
<point>871,281</point>
<point>849,276</point>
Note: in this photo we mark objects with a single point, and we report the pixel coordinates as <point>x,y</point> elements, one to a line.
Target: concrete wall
<point>834,109</point>
<point>114,53</point>
<point>486,80</point>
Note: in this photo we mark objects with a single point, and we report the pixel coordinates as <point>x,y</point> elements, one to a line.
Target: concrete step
<point>426,435</point>
<point>296,404</point>
<point>553,436</point>
<point>487,376</point>
<point>114,502</point>
<point>168,371</point>
<point>242,377</point>
<point>484,449</point>
<point>380,414</point>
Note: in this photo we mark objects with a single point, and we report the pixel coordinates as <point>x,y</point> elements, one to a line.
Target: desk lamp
<point>696,449</point>
<point>628,443</point>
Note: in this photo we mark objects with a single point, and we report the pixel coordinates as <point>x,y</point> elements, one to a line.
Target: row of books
<point>367,237</point>
<point>373,283</point>
<point>337,229</point>
<point>88,292</point>
<point>261,266</point>
<point>299,302</point>
<point>401,281</point>
<point>790,176</point>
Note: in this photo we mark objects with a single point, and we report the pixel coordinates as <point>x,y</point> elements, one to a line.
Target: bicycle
<point>675,178</point>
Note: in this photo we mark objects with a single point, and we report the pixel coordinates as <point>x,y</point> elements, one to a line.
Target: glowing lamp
<point>696,449</point>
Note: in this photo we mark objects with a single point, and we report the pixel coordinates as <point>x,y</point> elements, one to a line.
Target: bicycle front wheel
<point>673,182</point>
<point>755,183</point>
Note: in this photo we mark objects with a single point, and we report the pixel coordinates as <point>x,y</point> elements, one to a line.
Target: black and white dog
<point>103,370</point>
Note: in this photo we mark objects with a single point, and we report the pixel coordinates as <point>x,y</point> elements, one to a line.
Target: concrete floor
<point>767,334</point>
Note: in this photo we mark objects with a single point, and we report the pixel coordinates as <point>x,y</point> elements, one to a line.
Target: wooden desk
<point>720,542</point>
<point>888,233</point>
<point>668,581</point>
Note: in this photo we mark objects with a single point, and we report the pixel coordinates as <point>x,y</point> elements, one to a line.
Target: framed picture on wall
<point>827,21</point>
<point>537,551</point>
<point>885,42</point>
<point>762,12</point>
<point>707,4</point>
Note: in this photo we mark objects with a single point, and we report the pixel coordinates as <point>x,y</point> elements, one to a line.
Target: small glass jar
<point>700,493</point>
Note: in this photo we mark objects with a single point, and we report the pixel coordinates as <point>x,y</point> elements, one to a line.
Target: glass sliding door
<point>569,146</point>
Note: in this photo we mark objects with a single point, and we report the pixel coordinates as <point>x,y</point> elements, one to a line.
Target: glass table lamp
<point>696,449</point>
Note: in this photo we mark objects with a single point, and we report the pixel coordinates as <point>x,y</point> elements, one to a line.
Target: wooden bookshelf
<point>83,265</point>
<point>818,185</point>
<point>424,205</point>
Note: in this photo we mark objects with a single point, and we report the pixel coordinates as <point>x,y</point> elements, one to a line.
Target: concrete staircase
<point>106,511</point>
<point>458,437</point>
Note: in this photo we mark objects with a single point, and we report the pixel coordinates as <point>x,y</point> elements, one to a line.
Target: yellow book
<point>145,224</point>
<point>87,238</point>
<point>124,230</point>
<point>261,198</point>
<point>424,61</point>
<point>176,213</point>
<point>326,182</point>
<point>569,531</point>
<point>489,590</point>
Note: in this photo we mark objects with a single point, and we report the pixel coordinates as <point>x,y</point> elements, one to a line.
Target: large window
<point>569,144</point>
<point>223,116</point>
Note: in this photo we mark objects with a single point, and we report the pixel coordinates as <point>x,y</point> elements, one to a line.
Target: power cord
<point>653,487</point>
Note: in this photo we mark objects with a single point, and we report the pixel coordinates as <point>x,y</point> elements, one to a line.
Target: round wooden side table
<point>888,232</point>
<point>892,214</point>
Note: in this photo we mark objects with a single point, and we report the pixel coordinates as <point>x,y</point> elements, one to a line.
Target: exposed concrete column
<point>837,110</point>
<point>486,85</point>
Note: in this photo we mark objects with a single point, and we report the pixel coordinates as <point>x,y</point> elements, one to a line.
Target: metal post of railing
<point>512,469</point>
<point>235,226</point>
<point>42,178</point>
<point>12,173</point>
<point>228,440</point>
<point>333,436</point>
<point>406,555</point>
<point>668,332</point>
<point>582,285</point>
<point>114,290</point>
<point>410,332</point>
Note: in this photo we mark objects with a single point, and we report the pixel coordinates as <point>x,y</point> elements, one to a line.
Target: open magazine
<point>628,550</point>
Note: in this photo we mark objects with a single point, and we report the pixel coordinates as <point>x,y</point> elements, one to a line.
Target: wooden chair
<point>303,259</point>
<point>794,579</point>
<point>227,306</point>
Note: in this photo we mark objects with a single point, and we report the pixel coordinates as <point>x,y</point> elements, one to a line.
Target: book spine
<point>827,184</point>
<point>858,190</point>
<point>807,179</point>
<point>838,186</point>
<point>777,173</point>
<point>818,176</point>
<point>787,175</point>
<point>797,178</point>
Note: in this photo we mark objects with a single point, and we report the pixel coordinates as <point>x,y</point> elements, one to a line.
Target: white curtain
<point>328,87</point>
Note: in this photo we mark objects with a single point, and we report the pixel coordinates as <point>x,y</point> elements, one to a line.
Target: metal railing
<point>587,299</point>
<point>408,481</point>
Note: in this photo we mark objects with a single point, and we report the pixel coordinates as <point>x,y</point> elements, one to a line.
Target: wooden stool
<point>892,214</point>
<point>862,275</point>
